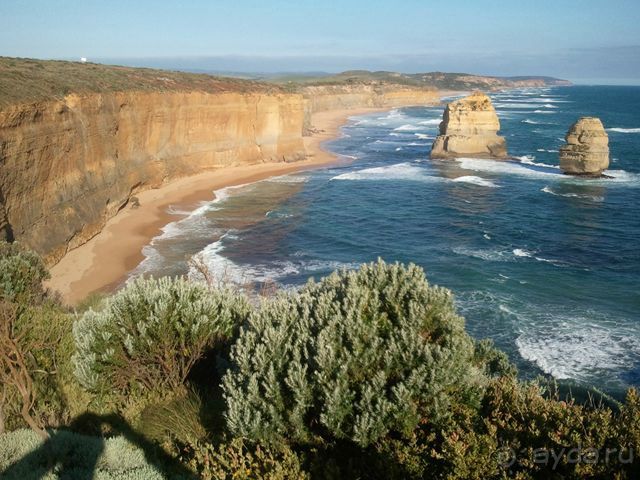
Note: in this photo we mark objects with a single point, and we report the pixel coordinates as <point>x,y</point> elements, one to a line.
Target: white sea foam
<point>512,168</point>
<point>624,130</point>
<point>595,198</point>
<point>174,210</point>
<point>534,100</point>
<point>527,167</point>
<point>621,177</point>
<point>394,114</point>
<point>432,121</point>
<point>530,160</point>
<point>398,171</point>
<point>193,221</point>
<point>491,255</point>
<point>515,105</point>
<point>472,179</point>
<point>542,111</point>
<point>422,136</point>
<point>532,122</point>
<point>546,150</point>
<point>408,128</point>
<point>289,178</point>
<point>502,254</point>
<point>226,271</point>
<point>576,347</point>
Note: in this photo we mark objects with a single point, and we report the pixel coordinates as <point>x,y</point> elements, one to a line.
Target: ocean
<point>546,265</point>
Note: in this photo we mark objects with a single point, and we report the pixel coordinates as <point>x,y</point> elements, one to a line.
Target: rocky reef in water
<point>587,149</point>
<point>470,127</point>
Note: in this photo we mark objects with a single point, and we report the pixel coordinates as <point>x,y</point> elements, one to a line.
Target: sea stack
<point>587,148</point>
<point>470,127</point>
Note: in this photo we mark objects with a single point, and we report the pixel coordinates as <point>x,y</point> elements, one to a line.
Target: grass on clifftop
<point>28,80</point>
<point>429,81</point>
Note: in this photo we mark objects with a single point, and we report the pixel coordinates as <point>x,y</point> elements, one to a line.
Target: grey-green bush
<point>24,455</point>
<point>149,335</point>
<point>22,272</point>
<point>355,356</point>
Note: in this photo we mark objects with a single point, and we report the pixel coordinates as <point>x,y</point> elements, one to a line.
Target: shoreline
<point>104,262</point>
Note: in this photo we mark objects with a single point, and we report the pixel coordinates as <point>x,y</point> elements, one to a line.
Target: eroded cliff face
<point>68,166</point>
<point>470,127</point>
<point>339,97</point>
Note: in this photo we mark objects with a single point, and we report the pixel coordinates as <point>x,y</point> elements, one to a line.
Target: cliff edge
<point>77,141</point>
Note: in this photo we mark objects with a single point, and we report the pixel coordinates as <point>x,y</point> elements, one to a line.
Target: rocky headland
<point>470,127</point>
<point>587,149</point>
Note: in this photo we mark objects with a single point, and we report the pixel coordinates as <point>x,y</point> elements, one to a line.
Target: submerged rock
<point>470,127</point>
<point>587,148</point>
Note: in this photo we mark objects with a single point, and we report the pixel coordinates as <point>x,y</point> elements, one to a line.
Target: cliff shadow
<point>78,456</point>
<point>6,231</point>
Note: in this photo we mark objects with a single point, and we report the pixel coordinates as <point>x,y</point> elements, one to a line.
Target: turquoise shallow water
<point>546,265</point>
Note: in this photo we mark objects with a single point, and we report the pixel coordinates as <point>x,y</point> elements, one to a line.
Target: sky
<point>587,41</point>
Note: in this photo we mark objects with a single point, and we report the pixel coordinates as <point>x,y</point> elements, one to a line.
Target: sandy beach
<point>103,262</point>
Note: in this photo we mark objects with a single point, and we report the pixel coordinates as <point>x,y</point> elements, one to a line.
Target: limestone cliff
<point>66,166</point>
<point>321,98</point>
<point>70,161</point>
<point>587,148</point>
<point>469,127</point>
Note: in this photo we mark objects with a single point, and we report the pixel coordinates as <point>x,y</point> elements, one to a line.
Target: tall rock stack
<point>470,128</point>
<point>587,148</point>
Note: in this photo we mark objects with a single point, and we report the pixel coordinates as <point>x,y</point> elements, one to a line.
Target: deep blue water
<point>546,265</point>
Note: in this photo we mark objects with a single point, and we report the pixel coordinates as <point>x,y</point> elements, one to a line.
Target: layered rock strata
<point>67,166</point>
<point>587,148</point>
<point>347,97</point>
<point>70,164</point>
<point>470,127</point>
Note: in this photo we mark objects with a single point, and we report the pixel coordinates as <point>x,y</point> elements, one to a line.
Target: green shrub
<point>180,420</point>
<point>239,460</point>
<point>39,345</point>
<point>22,272</point>
<point>355,356</point>
<point>150,334</point>
<point>494,362</point>
<point>522,431</point>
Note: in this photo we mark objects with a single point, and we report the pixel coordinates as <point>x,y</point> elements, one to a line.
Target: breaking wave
<point>472,179</point>
<point>624,130</point>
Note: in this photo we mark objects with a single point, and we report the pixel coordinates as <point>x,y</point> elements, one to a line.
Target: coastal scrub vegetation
<point>363,374</point>
<point>31,80</point>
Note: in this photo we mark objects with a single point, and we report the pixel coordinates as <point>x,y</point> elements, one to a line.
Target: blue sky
<point>585,40</point>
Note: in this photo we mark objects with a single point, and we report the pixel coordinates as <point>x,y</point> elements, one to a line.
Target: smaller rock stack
<point>470,127</point>
<point>587,148</point>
